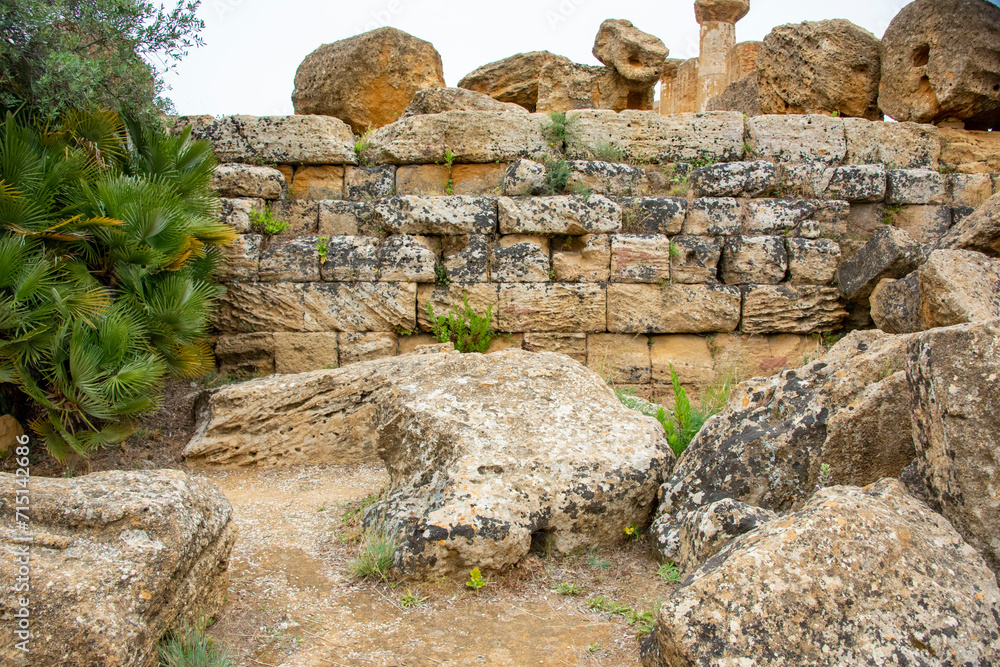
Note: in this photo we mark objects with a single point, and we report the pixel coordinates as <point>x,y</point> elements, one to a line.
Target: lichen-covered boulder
<point>820,67</point>
<point>118,559</point>
<point>935,64</point>
<point>636,55</point>
<point>366,80</point>
<point>766,447</point>
<point>979,231</point>
<point>706,530</point>
<point>954,379</point>
<point>856,577</point>
<point>439,100</point>
<point>488,454</point>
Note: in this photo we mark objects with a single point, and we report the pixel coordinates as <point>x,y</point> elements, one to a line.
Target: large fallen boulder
<point>439,100</point>
<point>820,67</point>
<point>856,577</point>
<point>951,287</point>
<point>978,231</point>
<point>954,379</point>
<point>890,253</point>
<point>636,55</point>
<point>513,79</point>
<point>117,559</point>
<point>935,64</point>
<point>563,86</point>
<point>766,448</point>
<point>366,80</point>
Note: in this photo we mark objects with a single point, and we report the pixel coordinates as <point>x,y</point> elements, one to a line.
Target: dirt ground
<point>294,603</point>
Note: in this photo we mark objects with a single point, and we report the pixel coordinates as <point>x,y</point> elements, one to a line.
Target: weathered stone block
<point>891,253</point>
<point>606,178</point>
<point>812,261</point>
<point>369,183</point>
<point>653,215</point>
<point>422,179</point>
<point>713,217</point>
<point>741,356</point>
<point>695,259</point>
<point>298,139</point>
<point>518,258</point>
<point>356,347</point>
<point>241,259</point>
<point>647,137</point>
<point>968,189</point>
<point>927,224</point>
<point>475,137</point>
<point>905,145</point>
<point>524,178</point>
<point>800,309</point>
<point>547,307</point>
<point>559,215</point>
<point>573,345</point>
<point>619,358</point>
<point>338,218</point>
<point>672,308</point>
<point>914,186</point>
<point>482,296</point>
<point>858,183</point>
<point>805,138</point>
<point>318,182</point>
<point>459,214</point>
<point>803,179</point>
<point>895,305</point>
<point>408,258</point>
<point>970,152</point>
<point>979,231</point>
<point>290,259</point>
<point>350,258</point>
<point>582,259</point>
<point>478,179</point>
<point>753,259</point>
<point>640,258</point>
<point>466,257</point>
<point>689,355</point>
<point>734,179</point>
<point>245,354</point>
<point>776,216</point>
<point>244,180</point>
<point>302,215</point>
<point>236,212</point>
<point>303,352</point>
<point>410,344</point>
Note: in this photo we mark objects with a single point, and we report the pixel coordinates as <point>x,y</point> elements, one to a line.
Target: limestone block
<point>442,299</point>
<point>350,258</point>
<point>605,178</point>
<point>318,182</point>
<point>302,215</point>
<point>369,183</point>
<point>619,358</point>
<point>559,215</point>
<point>805,138</point>
<point>640,258</point>
<point>244,355</point>
<point>524,178</point>
<point>236,212</point>
<point>646,137</point>
<point>891,253</point>
<point>458,214</point>
<point>551,307</point>
<point>356,347</point>
<point>408,258</point>
<point>411,344</point>
<point>734,179</point>
<point>518,258</point>
<point>466,257</point>
<point>741,356</point>
<point>290,259</point>
<point>573,345</point>
<point>858,183</point>
<point>968,189</point>
<point>914,186</point>
<point>970,152</point>
<point>926,224</point>
<point>753,259</point>
<point>979,231</point>
<point>582,259</point>
<point>439,100</point>
<point>695,259</point>
<point>775,216</point>
<point>653,215</point>
<point>244,180</point>
<point>903,145</point>
<point>241,259</point>
<point>800,309</point>
<point>422,179</point>
<point>303,352</point>
<point>672,308</point>
<point>713,217</point>
<point>689,355</point>
<point>812,261</point>
<point>803,179</point>
<point>298,139</point>
<point>478,179</point>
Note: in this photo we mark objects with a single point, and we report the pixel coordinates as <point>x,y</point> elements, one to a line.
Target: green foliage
<point>634,218</point>
<point>890,214</point>
<point>557,176</point>
<point>322,249</point>
<point>62,54</point>
<point>361,145</point>
<point>643,620</point>
<point>825,478</point>
<point>827,339</point>
<point>449,162</point>
<point>669,572</point>
<point>568,588</point>
<point>674,250</point>
<point>467,330</point>
<point>412,599</point>
<point>557,130</point>
<point>377,554</point>
<point>606,152</point>
<point>595,561</point>
<point>633,532</point>
<point>476,580</point>
<point>264,222</point>
<point>441,275</point>
<point>685,422</point>
<point>191,648</point>
<point>109,236</point>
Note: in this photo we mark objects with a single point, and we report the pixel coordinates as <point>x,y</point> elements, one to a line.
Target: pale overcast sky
<point>253,47</point>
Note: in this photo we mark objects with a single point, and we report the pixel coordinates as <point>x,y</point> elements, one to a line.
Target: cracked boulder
<point>859,576</point>
<point>766,447</point>
<point>636,55</point>
<point>118,559</point>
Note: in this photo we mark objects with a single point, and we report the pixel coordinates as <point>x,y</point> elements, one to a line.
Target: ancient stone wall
<point>704,241</point>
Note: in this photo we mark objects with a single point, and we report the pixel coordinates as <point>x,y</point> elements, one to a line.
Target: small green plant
<point>322,249</point>
<point>827,339</point>
<point>557,175</point>
<point>749,150</point>
<point>669,572</point>
<point>191,648</point>
<point>634,218</point>
<point>633,532</point>
<point>467,330</point>
<point>361,148</point>
<point>675,251</point>
<point>890,214</point>
<point>580,190</point>
<point>568,588</point>
<point>449,162</point>
<point>606,152</point>
<point>825,476</point>
<point>594,648</point>
<point>412,599</point>
<point>595,561</point>
<point>557,130</point>
<point>403,331</point>
<point>377,554</point>
<point>835,114</point>
<point>685,421</point>
<point>476,580</point>
<point>265,223</point>
<point>552,274</point>
<point>441,275</point>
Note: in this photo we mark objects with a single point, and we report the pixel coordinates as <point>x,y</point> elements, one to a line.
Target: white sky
<point>253,47</point>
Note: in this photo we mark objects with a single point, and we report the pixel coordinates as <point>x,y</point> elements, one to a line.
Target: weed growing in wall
<point>469,331</point>
<point>265,223</point>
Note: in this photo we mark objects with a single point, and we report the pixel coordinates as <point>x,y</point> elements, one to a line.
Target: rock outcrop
<point>767,446</point>
<point>635,55</point>
<point>439,100</point>
<point>856,577</point>
<point>820,67</point>
<point>117,560</point>
<point>366,80</point>
<point>940,62</point>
